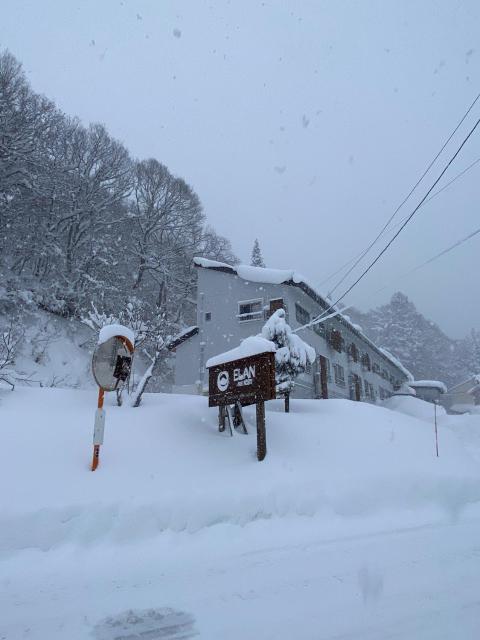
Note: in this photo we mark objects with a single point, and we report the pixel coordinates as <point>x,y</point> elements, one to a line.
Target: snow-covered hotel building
<point>234,303</point>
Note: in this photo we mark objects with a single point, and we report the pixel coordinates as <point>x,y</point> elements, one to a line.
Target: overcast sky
<point>301,123</point>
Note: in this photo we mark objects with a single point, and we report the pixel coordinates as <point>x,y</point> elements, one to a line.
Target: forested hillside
<point>84,225</point>
<point>419,343</point>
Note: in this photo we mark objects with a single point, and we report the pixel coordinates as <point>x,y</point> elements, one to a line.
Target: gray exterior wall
<point>219,294</point>
<point>187,364</point>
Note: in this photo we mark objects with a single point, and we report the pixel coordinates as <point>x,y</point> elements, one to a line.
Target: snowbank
<point>251,346</point>
<point>55,352</point>
<point>165,467</point>
<point>412,406</point>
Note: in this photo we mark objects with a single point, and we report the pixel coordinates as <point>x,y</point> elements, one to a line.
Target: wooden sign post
<point>111,364</point>
<point>243,382</point>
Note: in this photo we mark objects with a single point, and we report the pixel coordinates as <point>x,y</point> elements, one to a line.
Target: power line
<point>424,264</point>
<point>390,242</point>
<point>385,226</point>
<point>402,275</point>
<point>442,253</point>
<point>434,195</point>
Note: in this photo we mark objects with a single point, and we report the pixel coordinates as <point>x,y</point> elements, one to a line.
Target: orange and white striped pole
<point>99,429</point>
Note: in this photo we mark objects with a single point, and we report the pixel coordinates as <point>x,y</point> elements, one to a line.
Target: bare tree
<point>10,340</point>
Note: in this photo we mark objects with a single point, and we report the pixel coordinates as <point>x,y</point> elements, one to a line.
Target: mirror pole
<point>98,429</point>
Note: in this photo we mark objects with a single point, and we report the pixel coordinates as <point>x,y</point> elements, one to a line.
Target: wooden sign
<point>247,380</point>
<point>240,383</point>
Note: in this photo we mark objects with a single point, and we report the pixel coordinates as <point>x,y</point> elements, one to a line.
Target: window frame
<point>339,380</point>
<point>319,329</point>
<point>337,345</point>
<point>366,362</point>
<point>257,315</point>
<point>278,306</point>
<point>308,315</point>
<point>353,352</point>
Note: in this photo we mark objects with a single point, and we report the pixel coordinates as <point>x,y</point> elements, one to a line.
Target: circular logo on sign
<point>222,380</point>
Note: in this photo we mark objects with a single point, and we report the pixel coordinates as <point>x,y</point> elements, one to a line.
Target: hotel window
<point>275,305</point>
<point>208,316</point>
<point>302,316</point>
<point>353,352</point>
<point>366,366</point>
<point>319,329</point>
<point>339,375</point>
<point>366,389</point>
<point>336,340</point>
<point>250,310</point>
<point>329,370</point>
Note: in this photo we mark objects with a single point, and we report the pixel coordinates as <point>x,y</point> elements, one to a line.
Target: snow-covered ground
<point>350,528</point>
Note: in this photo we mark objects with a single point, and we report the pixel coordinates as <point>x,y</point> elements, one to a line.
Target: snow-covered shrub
<point>292,354</point>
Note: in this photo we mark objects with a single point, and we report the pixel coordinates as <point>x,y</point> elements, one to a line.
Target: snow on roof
<point>210,264</point>
<point>180,337</point>
<point>289,276</point>
<point>184,332</point>
<point>397,362</point>
<point>429,384</point>
<point>111,330</point>
<point>255,274</point>
<point>251,346</point>
<point>264,274</point>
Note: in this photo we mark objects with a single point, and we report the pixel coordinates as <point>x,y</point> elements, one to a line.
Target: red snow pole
<point>99,429</point>
<point>436,430</point>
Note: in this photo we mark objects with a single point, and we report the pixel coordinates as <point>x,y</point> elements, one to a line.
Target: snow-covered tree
<point>216,247</point>
<point>257,258</point>
<point>292,354</point>
<point>475,389</point>
<point>81,222</point>
<point>10,339</point>
<point>468,353</point>
<point>415,340</point>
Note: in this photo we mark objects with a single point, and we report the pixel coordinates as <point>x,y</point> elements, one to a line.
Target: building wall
<point>295,295</point>
<point>187,360</point>
<point>219,295</point>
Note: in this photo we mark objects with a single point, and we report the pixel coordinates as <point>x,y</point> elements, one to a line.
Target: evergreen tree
<point>257,259</point>
<point>416,341</point>
<point>468,353</point>
<point>292,354</point>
